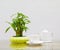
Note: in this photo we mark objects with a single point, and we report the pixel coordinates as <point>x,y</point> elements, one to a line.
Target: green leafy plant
<point>19,24</point>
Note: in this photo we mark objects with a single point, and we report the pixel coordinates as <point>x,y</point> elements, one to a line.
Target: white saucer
<point>34,42</point>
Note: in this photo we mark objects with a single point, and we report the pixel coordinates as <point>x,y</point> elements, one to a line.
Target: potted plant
<point>19,26</point>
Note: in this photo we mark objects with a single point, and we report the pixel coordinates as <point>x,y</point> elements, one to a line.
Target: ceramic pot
<point>18,39</point>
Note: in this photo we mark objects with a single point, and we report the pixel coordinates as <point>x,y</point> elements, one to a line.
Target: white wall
<point>44,14</point>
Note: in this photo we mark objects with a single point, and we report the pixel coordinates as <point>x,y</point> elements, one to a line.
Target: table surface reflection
<point>6,45</point>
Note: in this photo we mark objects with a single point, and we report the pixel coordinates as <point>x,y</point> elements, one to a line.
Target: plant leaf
<point>13,26</point>
<point>27,21</point>
<point>7,29</point>
<point>25,28</point>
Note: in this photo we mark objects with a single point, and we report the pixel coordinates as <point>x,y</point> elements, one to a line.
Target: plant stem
<point>19,34</point>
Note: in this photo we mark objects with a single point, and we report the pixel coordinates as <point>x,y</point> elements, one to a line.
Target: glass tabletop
<point>6,45</point>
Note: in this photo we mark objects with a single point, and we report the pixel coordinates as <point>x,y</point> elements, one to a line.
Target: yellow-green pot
<point>18,39</point>
<point>17,46</point>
